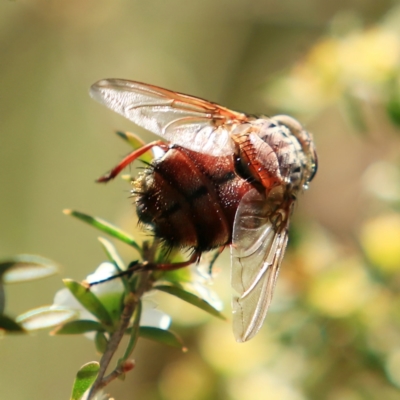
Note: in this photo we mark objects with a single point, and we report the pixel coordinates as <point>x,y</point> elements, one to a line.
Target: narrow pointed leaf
<point>114,257</point>
<point>112,254</point>
<point>101,342</point>
<point>126,177</point>
<point>25,267</point>
<point>89,300</point>
<point>161,336</point>
<point>78,327</point>
<point>45,317</point>
<point>136,142</point>
<point>9,325</point>
<point>190,298</point>
<point>84,379</point>
<point>134,331</point>
<point>105,227</point>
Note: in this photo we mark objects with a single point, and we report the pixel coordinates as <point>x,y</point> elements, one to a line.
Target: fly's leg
<point>214,257</point>
<point>147,266</point>
<point>130,158</point>
<point>169,266</point>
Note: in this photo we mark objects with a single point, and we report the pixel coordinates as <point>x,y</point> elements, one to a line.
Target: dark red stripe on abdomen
<point>190,199</point>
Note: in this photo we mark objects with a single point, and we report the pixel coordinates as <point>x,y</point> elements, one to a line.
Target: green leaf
<point>176,277</point>
<point>134,330</point>
<point>136,142</point>
<point>114,257</point>
<point>393,109</point>
<point>25,267</point>
<point>84,379</point>
<point>89,301</point>
<point>78,327</point>
<point>101,342</point>
<point>105,227</point>
<point>190,298</point>
<point>2,298</point>
<point>161,336</point>
<point>9,325</point>
<point>112,254</point>
<point>45,317</point>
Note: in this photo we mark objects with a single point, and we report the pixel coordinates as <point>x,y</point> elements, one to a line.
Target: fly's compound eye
<point>292,124</point>
<point>314,164</point>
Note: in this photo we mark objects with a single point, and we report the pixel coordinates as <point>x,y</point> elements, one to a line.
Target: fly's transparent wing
<point>256,252</point>
<point>188,121</point>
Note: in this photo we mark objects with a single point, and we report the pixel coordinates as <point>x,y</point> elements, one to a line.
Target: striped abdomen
<point>190,199</point>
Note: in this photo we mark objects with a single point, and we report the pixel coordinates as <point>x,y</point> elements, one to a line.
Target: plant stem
<point>131,302</point>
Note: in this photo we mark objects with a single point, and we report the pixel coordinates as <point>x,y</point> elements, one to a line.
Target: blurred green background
<point>334,328</point>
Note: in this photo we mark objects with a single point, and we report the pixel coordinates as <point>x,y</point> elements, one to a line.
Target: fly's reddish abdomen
<point>190,199</point>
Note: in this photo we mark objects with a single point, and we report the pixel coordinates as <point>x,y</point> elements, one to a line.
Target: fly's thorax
<point>255,159</point>
<point>276,152</point>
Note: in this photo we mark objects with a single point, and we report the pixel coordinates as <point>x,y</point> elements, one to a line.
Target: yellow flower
<point>359,63</point>
<point>380,238</point>
<point>341,290</point>
<point>369,56</point>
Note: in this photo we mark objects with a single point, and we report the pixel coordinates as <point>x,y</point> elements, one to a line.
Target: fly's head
<point>304,161</point>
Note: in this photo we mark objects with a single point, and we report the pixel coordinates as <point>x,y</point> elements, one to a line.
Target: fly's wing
<point>256,253</point>
<point>188,121</point>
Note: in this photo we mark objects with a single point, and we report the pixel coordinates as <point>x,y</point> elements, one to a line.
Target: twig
<point>131,302</point>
